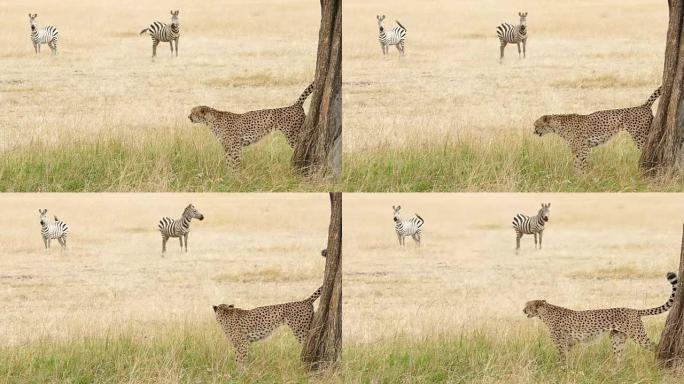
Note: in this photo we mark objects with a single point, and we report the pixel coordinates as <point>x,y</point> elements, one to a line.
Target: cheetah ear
<point>231,306</point>
<point>215,308</point>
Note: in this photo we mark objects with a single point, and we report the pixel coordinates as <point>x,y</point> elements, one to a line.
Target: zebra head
<point>192,213</point>
<point>381,23</point>
<point>545,124</point>
<point>32,21</point>
<point>544,212</point>
<point>174,19</point>
<point>43,217</point>
<point>523,21</point>
<point>396,213</point>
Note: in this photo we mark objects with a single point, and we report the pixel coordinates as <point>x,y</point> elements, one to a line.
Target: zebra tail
<point>315,295</point>
<point>421,219</point>
<point>305,94</point>
<point>398,23</point>
<point>653,97</point>
<point>672,279</point>
<point>144,30</point>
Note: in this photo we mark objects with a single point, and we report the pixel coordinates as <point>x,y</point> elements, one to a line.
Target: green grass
<point>165,162</point>
<point>199,353</point>
<point>508,163</point>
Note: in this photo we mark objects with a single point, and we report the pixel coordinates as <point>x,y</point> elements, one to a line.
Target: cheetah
<point>245,326</point>
<point>569,327</point>
<point>237,130</point>
<point>583,132</point>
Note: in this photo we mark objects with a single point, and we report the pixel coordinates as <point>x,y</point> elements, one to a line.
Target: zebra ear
<point>398,206</point>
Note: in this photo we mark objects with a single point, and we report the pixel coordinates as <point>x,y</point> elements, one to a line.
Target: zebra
<point>513,34</point>
<point>178,228</point>
<point>165,33</point>
<point>409,227</point>
<point>531,225</point>
<point>395,36</point>
<point>47,35</point>
<point>49,230</point>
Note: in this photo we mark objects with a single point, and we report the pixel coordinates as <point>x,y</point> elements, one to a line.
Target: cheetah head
<point>544,125</point>
<point>199,114</point>
<point>532,308</point>
<point>222,309</point>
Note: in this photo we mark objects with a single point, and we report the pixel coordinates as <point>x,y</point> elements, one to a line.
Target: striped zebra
<point>162,32</point>
<point>513,34</point>
<point>49,230</point>
<point>395,36</point>
<point>531,225</point>
<point>179,228</point>
<point>47,35</point>
<point>409,227</point>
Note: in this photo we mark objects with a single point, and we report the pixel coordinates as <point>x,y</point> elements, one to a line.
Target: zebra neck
<point>185,222</point>
<point>540,221</point>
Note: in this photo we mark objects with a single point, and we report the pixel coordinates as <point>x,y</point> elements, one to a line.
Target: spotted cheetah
<point>583,132</point>
<point>237,130</point>
<point>569,327</point>
<point>245,326</point>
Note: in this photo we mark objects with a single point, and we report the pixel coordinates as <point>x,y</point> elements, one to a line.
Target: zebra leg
<point>186,242</point>
<point>540,238</point>
<point>501,48</point>
<point>535,241</point>
<point>518,44</point>
<point>518,235</point>
<point>524,48</point>
<point>164,240</point>
<point>46,244</point>
<point>154,48</point>
<point>35,47</point>
<point>177,47</point>
<point>180,239</point>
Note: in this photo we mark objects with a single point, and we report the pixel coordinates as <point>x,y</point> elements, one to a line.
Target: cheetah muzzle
<point>583,132</point>
<point>568,327</point>
<point>237,130</point>
<point>245,326</point>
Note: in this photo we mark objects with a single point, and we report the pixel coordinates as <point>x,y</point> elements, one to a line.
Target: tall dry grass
<point>102,115</point>
<point>450,117</point>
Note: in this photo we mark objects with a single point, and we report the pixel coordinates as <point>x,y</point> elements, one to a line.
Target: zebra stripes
<point>161,32</point>
<point>531,225</point>
<point>409,227</point>
<point>178,228</point>
<point>49,230</point>
<point>394,36</point>
<point>513,34</point>
<point>47,35</point>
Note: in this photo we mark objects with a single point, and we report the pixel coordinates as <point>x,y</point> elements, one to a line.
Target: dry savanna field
<point>449,117</point>
<point>102,115</point>
<point>111,309</point>
<point>451,311</point>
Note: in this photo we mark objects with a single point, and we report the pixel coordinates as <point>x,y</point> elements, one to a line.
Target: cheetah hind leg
<point>618,340</point>
<point>641,337</point>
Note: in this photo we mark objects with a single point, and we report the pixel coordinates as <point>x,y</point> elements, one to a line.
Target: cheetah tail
<point>672,278</point>
<point>404,28</point>
<point>653,98</point>
<point>305,94</point>
<point>144,30</point>
<point>315,295</point>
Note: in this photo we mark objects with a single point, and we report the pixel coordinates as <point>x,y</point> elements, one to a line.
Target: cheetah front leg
<point>581,155</point>
<point>562,345</point>
<point>241,351</point>
<point>233,153</point>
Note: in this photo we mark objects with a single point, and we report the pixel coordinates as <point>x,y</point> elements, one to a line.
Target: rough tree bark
<point>664,148</point>
<point>319,151</point>
<point>323,346</point>
<point>670,351</point>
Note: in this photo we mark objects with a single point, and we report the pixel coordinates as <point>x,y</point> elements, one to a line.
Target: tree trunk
<point>670,351</point>
<point>323,346</point>
<point>319,150</point>
<point>664,147</point>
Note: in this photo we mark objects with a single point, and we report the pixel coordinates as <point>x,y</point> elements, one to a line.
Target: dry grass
<point>103,86</point>
<point>582,57</point>
<point>250,250</point>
